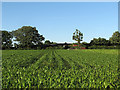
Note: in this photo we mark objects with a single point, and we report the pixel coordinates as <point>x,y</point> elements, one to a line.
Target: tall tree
<point>27,36</point>
<point>77,36</point>
<point>115,39</point>
<point>6,39</point>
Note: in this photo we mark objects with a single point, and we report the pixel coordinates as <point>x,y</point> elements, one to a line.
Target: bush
<point>55,47</point>
<point>102,47</point>
<point>77,47</point>
<point>49,47</point>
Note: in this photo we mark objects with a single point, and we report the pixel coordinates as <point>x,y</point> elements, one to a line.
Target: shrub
<point>102,47</point>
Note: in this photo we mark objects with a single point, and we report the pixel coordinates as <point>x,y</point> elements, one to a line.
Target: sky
<point>57,21</point>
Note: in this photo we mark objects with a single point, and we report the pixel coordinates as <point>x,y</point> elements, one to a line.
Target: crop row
<point>60,69</point>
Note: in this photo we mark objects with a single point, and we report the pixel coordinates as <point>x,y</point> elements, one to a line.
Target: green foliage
<point>115,39</point>
<point>99,41</point>
<point>55,47</point>
<point>85,44</point>
<point>102,47</point>
<point>77,36</point>
<point>47,42</point>
<point>60,69</point>
<point>27,36</point>
<point>6,40</point>
<point>50,47</point>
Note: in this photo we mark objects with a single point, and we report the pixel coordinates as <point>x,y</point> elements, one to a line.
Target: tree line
<point>27,37</point>
<point>98,43</point>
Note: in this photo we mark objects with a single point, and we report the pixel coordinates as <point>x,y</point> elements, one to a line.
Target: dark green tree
<point>27,36</point>
<point>47,42</point>
<point>115,39</point>
<point>85,44</point>
<point>77,36</point>
<point>16,46</point>
<point>99,41</point>
<point>0,39</point>
<point>6,40</point>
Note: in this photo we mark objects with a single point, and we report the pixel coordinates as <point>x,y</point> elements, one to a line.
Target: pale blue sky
<point>57,21</point>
